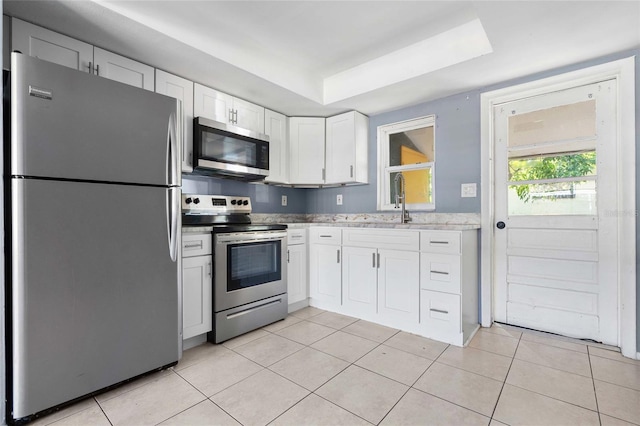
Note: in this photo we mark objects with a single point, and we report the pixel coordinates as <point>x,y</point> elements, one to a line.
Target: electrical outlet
<point>284,200</point>
<point>468,190</point>
<point>339,199</point>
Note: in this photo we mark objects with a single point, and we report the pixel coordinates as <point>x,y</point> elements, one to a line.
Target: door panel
<point>554,190</point>
<point>359,272</point>
<point>96,295</point>
<point>91,128</point>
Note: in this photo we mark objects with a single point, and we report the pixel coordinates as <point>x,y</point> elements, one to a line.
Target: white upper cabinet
<point>219,106</point>
<point>346,149</point>
<point>211,104</point>
<point>124,70</point>
<point>182,89</point>
<point>306,150</point>
<point>248,116</point>
<point>50,46</point>
<point>60,49</point>
<point>276,126</point>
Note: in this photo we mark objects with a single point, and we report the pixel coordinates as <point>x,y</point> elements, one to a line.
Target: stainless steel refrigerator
<point>95,228</point>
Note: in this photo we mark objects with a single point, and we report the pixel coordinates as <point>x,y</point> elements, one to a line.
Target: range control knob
<point>196,201</point>
<point>245,202</point>
<point>188,200</point>
<point>233,202</point>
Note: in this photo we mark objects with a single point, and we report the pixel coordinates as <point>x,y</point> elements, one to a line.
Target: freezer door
<point>74,125</point>
<point>95,292</point>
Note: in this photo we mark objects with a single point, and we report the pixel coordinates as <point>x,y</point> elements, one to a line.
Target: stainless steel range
<point>250,268</point>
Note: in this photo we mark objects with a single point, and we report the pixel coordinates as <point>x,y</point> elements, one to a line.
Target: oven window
<point>252,264</point>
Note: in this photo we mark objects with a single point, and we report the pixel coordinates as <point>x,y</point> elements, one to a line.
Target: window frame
<point>384,170</point>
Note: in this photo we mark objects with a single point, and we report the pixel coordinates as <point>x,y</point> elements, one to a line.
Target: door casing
<point>624,72</point>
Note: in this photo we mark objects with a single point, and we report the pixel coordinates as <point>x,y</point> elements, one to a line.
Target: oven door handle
<point>249,237</point>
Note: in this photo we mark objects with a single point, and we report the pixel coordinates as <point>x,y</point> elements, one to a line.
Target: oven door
<point>249,266</point>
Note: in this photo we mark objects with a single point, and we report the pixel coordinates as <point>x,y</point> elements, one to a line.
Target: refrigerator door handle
<point>173,150</point>
<point>173,218</point>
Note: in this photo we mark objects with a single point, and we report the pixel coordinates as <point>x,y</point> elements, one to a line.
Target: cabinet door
<point>346,148</point>
<point>196,296</point>
<point>51,46</point>
<point>297,273</point>
<point>211,104</point>
<point>248,116</point>
<point>180,88</point>
<point>325,280</point>
<point>124,70</point>
<point>276,127</point>
<point>359,272</point>
<point>340,146</point>
<point>399,287</point>
<point>306,150</point>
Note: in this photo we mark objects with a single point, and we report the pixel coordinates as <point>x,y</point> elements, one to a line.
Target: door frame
<point>623,71</point>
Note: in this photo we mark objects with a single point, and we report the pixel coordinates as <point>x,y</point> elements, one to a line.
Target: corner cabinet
<point>197,301</point>
<point>182,89</point>
<point>219,106</point>
<point>332,151</point>
<point>449,285</point>
<point>276,126</point>
<point>346,149</point>
<point>50,46</point>
<point>306,150</point>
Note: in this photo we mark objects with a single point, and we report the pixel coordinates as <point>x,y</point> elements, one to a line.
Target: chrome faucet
<point>400,196</point>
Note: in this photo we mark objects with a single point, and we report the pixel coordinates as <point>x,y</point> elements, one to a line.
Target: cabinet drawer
<point>381,238</point>
<point>440,272</point>
<point>196,244</point>
<point>296,236</point>
<point>326,235</point>
<point>447,242</point>
<point>440,314</point>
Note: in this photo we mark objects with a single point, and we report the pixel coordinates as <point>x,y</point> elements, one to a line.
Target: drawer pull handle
<point>439,272</point>
<point>293,237</point>
<point>440,311</point>
<point>325,236</point>
<point>193,245</point>
<point>439,242</point>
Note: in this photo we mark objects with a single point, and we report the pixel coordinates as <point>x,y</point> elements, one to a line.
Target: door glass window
<point>251,264</point>
<point>552,161</point>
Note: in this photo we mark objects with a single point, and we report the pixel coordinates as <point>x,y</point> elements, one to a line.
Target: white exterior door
<point>555,197</point>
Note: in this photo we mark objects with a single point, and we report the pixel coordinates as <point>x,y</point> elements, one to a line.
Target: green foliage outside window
<point>538,168</point>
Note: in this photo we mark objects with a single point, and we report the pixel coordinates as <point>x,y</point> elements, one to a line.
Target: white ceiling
<point>324,57</point>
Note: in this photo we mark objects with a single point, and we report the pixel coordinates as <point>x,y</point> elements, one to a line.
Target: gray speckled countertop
<point>387,225</point>
<point>424,221</point>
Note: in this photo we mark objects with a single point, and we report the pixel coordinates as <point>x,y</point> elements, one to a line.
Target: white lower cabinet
<point>379,282</point>
<point>197,302</point>
<point>423,282</point>
<point>325,267</point>
<point>398,279</point>
<point>297,281</point>
<point>449,285</point>
<point>360,281</point>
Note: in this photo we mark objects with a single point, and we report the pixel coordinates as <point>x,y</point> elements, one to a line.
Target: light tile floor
<point>321,368</point>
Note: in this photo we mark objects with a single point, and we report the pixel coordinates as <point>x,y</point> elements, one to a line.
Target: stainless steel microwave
<point>228,151</point>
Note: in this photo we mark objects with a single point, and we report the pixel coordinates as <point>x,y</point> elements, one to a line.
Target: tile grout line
<point>593,382</point>
<point>505,379</point>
